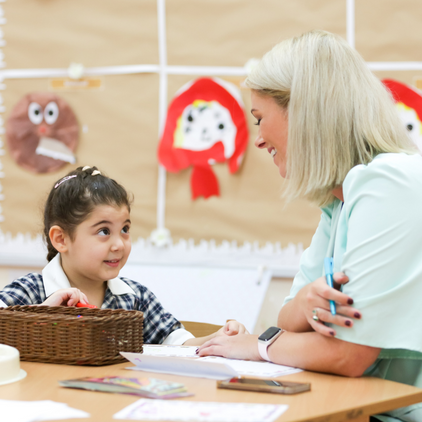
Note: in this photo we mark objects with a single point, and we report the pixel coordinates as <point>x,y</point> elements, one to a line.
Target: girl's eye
<point>126,229</point>
<point>104,232</point>
<point>258,122</point>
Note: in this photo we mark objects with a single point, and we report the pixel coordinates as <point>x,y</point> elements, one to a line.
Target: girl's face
<point>273,128</point>
<point>100,246</point>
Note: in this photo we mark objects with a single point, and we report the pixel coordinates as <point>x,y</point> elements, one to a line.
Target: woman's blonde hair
<point>340,114</point>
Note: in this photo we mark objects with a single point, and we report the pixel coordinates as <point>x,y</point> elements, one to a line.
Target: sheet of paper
<point>45,410</point>
<point>257,369</point>
<point>180,366</point>
<point>170,350</point>
<point>152,410</point>
<point>179,360</point>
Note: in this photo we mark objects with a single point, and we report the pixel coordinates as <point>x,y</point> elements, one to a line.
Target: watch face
<point>269,334</point>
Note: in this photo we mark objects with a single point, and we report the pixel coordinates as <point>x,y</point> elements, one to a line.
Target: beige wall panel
<point>228,33</point>
<point>249,208</point>
<point>49,34</point>
<point>389,30</point>
<point>408,77</point>
<point>121,140</point>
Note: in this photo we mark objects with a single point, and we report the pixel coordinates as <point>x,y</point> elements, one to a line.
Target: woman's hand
<point>315,304</point>
<point>232,328</point>
<point>66,297</point>
<point>242,346</point>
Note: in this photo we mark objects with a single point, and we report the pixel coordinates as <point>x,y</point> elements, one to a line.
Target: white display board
<point>205,294</point>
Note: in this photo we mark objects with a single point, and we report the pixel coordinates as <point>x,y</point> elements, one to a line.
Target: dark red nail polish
<point>350,301</point>
<point>357,315</point>
<point>348,323</point>
<point>331,333</point>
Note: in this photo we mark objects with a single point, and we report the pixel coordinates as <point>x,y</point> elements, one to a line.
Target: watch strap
<point>263,346</point>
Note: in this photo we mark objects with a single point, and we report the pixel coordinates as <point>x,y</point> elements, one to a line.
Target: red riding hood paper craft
<point>409,105</point>
<point>42,132</point>
<point>205,124</point>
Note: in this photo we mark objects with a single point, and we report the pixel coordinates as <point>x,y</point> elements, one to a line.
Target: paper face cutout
<point>205,125</point>
<point>409,105</point>
<point>42,133</point>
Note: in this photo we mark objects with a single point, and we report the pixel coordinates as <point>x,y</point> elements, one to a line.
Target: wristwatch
<point>267,338</point>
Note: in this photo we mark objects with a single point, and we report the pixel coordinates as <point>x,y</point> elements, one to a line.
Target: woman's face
<point>273,128</point>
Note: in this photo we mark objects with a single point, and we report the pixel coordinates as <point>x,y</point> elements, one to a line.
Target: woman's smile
<point>273,128</point>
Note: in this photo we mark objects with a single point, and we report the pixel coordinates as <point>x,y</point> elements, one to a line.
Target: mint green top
<point>375,238</point>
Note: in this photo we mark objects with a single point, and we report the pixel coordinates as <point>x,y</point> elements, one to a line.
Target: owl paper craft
<point>42,133</point>
<point>409,105</point>
<point>205,124</point>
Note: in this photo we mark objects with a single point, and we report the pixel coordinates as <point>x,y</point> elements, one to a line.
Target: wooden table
<point>332,399</point>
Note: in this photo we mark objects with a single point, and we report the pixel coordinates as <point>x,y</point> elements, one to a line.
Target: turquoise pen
<point>328,267</point>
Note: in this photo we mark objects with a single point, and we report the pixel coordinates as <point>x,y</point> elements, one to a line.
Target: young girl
<point>87,231</point>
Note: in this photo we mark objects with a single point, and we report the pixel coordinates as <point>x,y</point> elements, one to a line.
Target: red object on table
<point>84,305</point>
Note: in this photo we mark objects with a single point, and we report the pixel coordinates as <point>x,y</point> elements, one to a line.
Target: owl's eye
<point>51,113</point>
<point>35,113</point>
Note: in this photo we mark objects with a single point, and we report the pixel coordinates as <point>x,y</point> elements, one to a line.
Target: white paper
<point>170,350</point>
<point>152,410</point>
<point>257,369</point>
<point>175,360</point>
<point>44,410</point>
<point>180,366</point>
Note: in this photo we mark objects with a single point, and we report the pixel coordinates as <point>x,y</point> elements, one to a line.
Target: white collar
<point>54,279</point>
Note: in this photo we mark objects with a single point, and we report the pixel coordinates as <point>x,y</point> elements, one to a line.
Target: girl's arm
<point>310,350</point>
<point>66,297</point>
<point>231,328</point>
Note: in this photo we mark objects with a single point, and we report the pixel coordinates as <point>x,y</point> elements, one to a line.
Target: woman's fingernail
<point>350,301</point>
<point>348,323</point>
<point>332,333</point>
<point>357,315</point>
<point>197,351</point>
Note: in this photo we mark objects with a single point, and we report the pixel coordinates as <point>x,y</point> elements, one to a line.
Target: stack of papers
<point>183,360</point>
<point>152,388</point>
<point>28,411</point>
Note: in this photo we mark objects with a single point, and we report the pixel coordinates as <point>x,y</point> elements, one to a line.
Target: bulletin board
<point>142,52</point>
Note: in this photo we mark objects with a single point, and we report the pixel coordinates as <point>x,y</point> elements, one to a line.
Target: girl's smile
<point>113,263</point>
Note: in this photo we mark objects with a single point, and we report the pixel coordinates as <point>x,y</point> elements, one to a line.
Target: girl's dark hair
<point>73,198</point>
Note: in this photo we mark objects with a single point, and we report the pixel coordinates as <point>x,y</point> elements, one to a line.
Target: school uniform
<point>375,238</point>
<point>160,327</point>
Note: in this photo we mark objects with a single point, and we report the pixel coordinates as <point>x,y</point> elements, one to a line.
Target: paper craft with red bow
<point>409,105</point>
<point>205,124</point>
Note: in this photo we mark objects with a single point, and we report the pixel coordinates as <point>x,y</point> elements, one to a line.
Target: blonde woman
<point>331,128</point>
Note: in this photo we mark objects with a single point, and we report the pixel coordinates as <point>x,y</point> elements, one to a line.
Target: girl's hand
<point>242,346</point>
<point>232,328</point>
<point>316,305</point>
<point>66,297</point>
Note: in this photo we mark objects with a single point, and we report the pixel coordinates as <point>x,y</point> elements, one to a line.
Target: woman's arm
<point>296,315</point>
<point>311,351</point>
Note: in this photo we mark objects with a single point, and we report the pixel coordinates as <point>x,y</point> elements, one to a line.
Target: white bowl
<point>9,365</point>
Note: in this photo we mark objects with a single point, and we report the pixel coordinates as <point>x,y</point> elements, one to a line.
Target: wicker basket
<point>73,336</point>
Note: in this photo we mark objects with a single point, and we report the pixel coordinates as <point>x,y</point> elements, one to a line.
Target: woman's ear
<point>58,238</point>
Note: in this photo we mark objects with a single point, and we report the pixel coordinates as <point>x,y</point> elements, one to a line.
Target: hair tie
<point>64,180</point>
<point>86,168</point>
<point>95,172</point>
